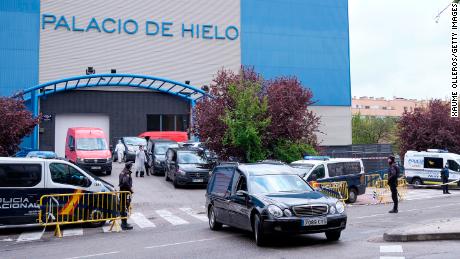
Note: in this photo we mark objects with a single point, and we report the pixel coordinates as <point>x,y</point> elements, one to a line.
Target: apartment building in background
<point>381,107</point>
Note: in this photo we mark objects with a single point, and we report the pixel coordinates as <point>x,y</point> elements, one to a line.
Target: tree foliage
<point>289,151</point>
<point>16,123</point>
<point>248,116</point>
<point>372,130</point>
<point>429,127</point>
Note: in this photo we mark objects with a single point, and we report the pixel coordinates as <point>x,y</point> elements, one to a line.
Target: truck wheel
<point>352,195</point>
<point>417,181</point>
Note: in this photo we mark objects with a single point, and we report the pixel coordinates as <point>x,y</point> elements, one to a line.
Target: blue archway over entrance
<point>181,90</point>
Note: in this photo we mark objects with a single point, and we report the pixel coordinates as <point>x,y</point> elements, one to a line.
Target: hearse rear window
<point>20,175</point>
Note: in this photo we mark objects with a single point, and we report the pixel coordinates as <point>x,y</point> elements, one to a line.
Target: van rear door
<point>21,186</point>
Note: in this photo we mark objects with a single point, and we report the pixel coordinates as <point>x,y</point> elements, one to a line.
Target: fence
<point>80,207</point>
<point>381,190</point>
<point>338,190</point>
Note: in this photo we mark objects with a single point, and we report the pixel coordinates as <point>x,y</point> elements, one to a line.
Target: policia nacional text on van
<point>24,180</point>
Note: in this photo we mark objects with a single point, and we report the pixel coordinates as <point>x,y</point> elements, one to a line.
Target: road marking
<point>195,214</point>
<point>93,255</point>
<point>422,209</point>
<point>72,232</point>
<point>141,220</point>
<point>30,236</point>
<point>183,243</point>
<point>168,216</point>
<point>6,240</point>
<point>391,249</point>
<point>392,257</point>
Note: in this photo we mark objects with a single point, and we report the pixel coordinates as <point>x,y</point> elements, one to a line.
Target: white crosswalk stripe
<point>72,232</point>
<point>195,214</point>
<point>391,249</point>
<point>30,236</point>
<point>168,216</point>
<point>140,220</point>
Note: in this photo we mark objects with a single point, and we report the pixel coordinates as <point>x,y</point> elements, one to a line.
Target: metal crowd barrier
<point>338,190</point>
<point>80,207</point>
<point>382,192</point>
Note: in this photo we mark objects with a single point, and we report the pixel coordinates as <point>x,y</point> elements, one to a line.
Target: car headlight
<point>275,211</point>
<point>287,213</point>
<point>131,149</point>
<point>109,160</point>
<point>80,160</point>
<point>340,207</point>
<point>332,210</point>
<point>181,172</point>
<point>157,162</point>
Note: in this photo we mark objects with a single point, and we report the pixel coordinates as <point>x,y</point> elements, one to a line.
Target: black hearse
<point>268,198</point>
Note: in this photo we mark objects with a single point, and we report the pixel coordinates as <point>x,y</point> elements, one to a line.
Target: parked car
<point>24,180</point>
<point>187,166</point>
<point>42,154</point>
<point>177,136</point>
<point>156,149</point>
<point>87,148</point>
<point>131,146</point>
<point>270,199</point>
<point>324,169</point>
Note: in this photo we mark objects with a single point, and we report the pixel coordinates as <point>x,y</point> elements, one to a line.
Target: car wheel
<point>213,224</point>
<point>259,236</point>
<point>95,215</point>
<point>108,172</point>
<point>417,181</point>
<point>352,195</point>
<point>333,235</point>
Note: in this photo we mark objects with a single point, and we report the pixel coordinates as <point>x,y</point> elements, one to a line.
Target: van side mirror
<point>72,148</point>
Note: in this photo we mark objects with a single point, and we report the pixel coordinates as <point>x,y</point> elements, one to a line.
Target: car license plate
<point>198,180</point>
<point>314,221</point>
<point>95,167</point>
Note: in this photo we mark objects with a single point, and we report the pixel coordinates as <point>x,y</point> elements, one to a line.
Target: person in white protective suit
<point>139,164</point>
<point>120,150</point>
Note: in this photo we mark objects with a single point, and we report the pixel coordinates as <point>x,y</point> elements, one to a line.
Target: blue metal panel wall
<point>305,38</point>
<point>19,45</point>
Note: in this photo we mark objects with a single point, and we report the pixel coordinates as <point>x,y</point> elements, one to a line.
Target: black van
<point>156,148</point>
<point>187,166</point>
<point>24,180</point>
<point>268,198</point>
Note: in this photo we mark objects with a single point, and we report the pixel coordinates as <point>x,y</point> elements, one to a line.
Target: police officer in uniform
<point>445,179</point>
<point>126,184</point>
<point>393,174</point>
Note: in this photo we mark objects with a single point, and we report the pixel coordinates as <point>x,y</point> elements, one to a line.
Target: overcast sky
<point>397,48</point>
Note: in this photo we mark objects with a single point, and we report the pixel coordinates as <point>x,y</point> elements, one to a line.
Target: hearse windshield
<point>278,183</point>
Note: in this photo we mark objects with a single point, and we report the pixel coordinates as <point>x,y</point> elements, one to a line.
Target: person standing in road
<point>125,184</point>
<point>120,150</point>
<point>139,164</point>
<point>445,179</point>
<point>393,174</point>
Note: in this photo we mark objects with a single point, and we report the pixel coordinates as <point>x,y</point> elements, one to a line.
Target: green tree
<point>373,130</point>
<point>247,121</point>
<point>289,151</point>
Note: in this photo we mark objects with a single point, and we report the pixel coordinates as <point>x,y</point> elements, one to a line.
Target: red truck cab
<point>88,149</point>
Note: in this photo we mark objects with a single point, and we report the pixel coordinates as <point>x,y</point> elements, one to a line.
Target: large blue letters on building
<point>131,26</point>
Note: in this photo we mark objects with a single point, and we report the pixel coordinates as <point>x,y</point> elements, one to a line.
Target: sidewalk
<point>444,229</point>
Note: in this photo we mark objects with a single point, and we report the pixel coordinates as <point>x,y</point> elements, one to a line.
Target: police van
<point>325,169</point>
<point>425,167</point>
<point>24,180</point>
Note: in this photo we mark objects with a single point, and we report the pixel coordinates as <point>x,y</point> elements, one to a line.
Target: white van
<point>24,180</point>
<point>425,166</point>
<point>324,169</point>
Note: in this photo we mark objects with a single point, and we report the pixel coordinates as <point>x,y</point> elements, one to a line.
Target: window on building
<point>169,122</point>
<point>15,175</point>
<point>405,108</point>
<point>153,122</point>
<point>384,107</point>
<point>367,107</point>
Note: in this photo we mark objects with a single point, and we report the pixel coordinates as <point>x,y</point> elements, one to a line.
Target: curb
<point>420,237</point>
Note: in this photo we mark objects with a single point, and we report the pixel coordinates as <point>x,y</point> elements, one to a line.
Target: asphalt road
<point>170,223</point>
